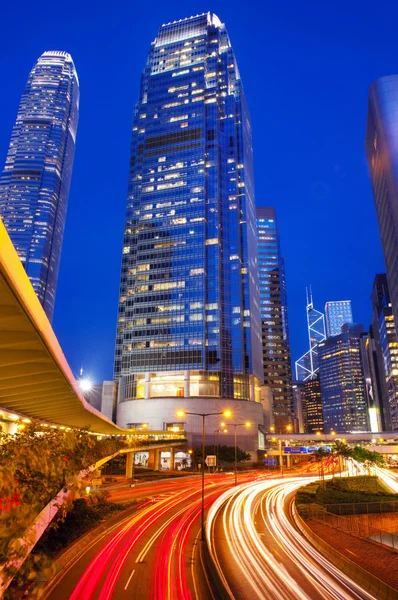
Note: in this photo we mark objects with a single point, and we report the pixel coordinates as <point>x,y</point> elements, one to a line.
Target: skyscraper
<point>34,186</point>
<point>386,346</point>
<point>382,154</point>
<point>337,313</point>
<point>273,306</point>
<point>307,365</point>
<point>313,405</point>
<point>372,378</point>
<point>189,317</point>
<point>342,383</point>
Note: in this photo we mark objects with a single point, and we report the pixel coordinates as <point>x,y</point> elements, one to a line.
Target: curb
<point>371,583</point>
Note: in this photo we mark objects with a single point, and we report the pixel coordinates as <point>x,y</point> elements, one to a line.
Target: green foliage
<point>35,464</point>
<point>360,454</point>
<point>307,493</point>
<point>226,454</point>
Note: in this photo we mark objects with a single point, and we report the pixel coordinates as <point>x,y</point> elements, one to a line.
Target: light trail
<point>165,524</point>
<point>283,567</point>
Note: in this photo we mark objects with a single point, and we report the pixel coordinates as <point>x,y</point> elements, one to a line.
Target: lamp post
<point>288,429</point>
<point>235,425</point>
<point>216,446</point>
<point>182,413</point>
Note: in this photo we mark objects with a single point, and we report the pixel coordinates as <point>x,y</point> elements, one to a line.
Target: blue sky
<point>306,69</point>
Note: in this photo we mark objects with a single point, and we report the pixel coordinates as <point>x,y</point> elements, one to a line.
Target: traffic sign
<point>211,460</point>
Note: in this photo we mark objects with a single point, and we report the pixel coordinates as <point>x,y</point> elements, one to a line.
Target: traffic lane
<point>66,581</point>
<point>162,565</point>
<point>90,570</point>
<point>246,569</point>
<point>263,522</point>
<point>252,568</point>
<point>324,573</point>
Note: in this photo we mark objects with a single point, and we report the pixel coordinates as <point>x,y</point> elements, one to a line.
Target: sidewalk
<point>380,562</point>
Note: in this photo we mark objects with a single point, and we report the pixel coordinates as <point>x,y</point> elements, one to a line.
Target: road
<point>150,553</point>
<point>260,554</point>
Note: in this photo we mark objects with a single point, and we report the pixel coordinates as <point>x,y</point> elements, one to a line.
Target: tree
<point>320,454</point>
<point>226,454</point>
<point>35,464</point>
<point>343,451</point>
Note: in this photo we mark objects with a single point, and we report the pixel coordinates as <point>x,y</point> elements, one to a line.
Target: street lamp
<point>288,429</point>
<point>216,446</point>
<point>235,425</point>
<point>182,413</point>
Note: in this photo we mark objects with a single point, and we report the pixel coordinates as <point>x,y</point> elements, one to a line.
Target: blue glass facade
<point>273,308</point>
<point>189,319</point>
<point>337,313</point>
<point>382,154</point>
<point>385,336</point>
<point>342,382</point>
<point>34,186</point>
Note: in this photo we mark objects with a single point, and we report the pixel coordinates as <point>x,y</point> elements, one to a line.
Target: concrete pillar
<point>251,388</point>
<point>171,459</point>
<point>156,466</point>
<point>186,384</point>
<point>129,464</point>
<point>147,385</point>
<point>289,460</point>
<point>151,459</point>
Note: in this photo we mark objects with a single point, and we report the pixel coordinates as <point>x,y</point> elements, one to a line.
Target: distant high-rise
<point>382,154</point>
<point>313,405</point>
<point>189,326</point>
<point>307,365</point>
<point>337,313</point>
<point>372,379</point>
<point>273,306</point>
<point>386,346</point>
<point>34,186</point>
<point>342,383</point>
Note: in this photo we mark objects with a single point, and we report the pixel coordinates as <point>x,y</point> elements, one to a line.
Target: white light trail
<point>248,509</point>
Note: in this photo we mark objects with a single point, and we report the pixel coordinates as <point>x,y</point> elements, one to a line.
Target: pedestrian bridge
<point>36,381</point>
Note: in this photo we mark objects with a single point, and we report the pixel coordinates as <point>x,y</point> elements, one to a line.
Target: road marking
<point>129,579</point>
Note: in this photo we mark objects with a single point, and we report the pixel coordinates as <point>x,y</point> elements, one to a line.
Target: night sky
<point>306,69</point>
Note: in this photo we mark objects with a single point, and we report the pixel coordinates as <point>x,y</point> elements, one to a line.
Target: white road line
<point>129,579</point>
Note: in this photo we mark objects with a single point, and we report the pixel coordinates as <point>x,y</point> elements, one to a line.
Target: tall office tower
<point>382,154</point>
<point>273,306</point>
<point>299,407</point>
<point>386,345</point>
<point>337,313</point>
<point>313,405</point>
<point>34,186</point>
<point>372,378</point>
<point>189,321</point>
<point>342,383</point>
<point>307,365</point>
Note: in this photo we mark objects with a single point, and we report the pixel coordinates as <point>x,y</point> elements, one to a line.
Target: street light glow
<point>227,413</point>
<point>248,424</point>
<point>181,413</point>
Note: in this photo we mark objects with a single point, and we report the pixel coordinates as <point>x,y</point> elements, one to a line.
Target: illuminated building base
<point>160,414</point>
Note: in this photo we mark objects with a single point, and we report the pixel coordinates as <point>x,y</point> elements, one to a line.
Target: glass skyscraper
<point>382,154</point>
<point>385,337</point>
<point>273,306</point>
<point>34,186</point>
<point>189,317</point>
<point>342,383</point>
<point>337,313</point>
